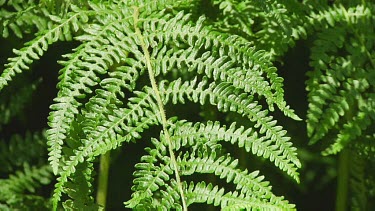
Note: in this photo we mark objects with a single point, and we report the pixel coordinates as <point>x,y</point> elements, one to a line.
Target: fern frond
<point>79,188</point>
<point>20,150</point>
<point>102,101</point>
<point>358,190</point>
<point>121,125</point>
<point>151,177</point>
<point>202,193</point>
<point>227,98</point>
<point>365,147</point>
<point>22,17</point>
<point>249,139</point>
<point>35,48</point>
<point>354,127</point>
<point>82,73</point>
<point>225,167</point>
<point>13,189</point>
<point>338,13</point>
<point>235,53</point>
<point>272,25</point>
<point>340,85</point>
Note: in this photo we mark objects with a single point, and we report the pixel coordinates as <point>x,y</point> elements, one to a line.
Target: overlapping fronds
<point>272,25</point>
<point>154,173</point>
<point>341,86</point>
<point>19,189</point>
<point>341,94</point>
<point>136,58</point>
<point>20,17</point>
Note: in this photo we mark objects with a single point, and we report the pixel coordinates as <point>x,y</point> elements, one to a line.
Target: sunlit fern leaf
<point>104,101</point>
<point>149,175</point>
<point>224,96</point>
<point>250,184</point>
<point>202,193</point>
<point>35,48</point>
<point>121,125</point>
<point>74,72</point>
<point>154,173</point>
<point>239,63</point>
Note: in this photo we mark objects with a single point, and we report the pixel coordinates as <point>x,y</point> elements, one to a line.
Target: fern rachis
<point>137,62</point>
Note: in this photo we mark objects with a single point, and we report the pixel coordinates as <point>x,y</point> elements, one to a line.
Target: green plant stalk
<point>342,180</point>
<point>160,105</point>
<point>101,195</point>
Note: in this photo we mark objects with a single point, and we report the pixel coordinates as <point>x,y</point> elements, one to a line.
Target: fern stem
<point>342,180</point>
<point>101,195</point>
<point>160,105</point>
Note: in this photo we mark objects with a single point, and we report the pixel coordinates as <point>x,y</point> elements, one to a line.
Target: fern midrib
<point>160,105</point>
<point>260,61</point>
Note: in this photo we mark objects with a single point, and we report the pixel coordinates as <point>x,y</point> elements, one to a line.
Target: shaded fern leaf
<point>12,106</point>
<point>79,188</point>
<point>341,84</point>
<point>15,16</point>
<point>273,25</point>
<point>18,191</point>
<point>341,92</point>
<point>358,190</point>
<point>19,150</point>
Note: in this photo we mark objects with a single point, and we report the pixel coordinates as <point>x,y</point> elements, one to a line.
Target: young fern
<point>134,59</point>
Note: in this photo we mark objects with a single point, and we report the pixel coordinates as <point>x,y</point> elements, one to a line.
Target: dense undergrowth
<point>188,100</point>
